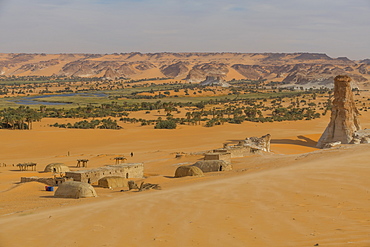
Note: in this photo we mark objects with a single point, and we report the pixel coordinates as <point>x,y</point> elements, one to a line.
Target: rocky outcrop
<point>111,74</point>
<point>261,143</point>
<point>175,70</point>
<point>313,56</point>
<point>78,69</point>
<point>332,144</point>
<point>361,136</point>
<point>144,66</point>
<point>37,66</point>
<point>310,75</point>
<point>344,120</point>
<point>200,72</point>
<point>366,61</point>
<point>126,70</point>
<point>363,69</point>
<point>251,72</point>
<point>214,81</point>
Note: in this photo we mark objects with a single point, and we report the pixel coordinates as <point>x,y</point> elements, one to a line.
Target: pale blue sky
<point>335,27</point>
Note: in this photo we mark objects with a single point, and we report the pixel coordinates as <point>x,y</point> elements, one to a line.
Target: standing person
<point>132,154</point>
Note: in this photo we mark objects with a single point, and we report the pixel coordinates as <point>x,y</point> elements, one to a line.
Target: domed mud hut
<point>113,182</point>
<point>183,171</point>
<point>56,167</point>
<point>73,189</point>
<point>213,165</point>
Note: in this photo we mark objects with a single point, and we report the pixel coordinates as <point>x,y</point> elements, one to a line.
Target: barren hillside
<point>289,68</point>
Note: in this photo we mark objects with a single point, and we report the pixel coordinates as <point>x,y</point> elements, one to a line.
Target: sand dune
<point>302,201</point>
<point>297,196</point>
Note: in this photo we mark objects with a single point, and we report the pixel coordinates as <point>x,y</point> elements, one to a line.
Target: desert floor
<point>296,196</point>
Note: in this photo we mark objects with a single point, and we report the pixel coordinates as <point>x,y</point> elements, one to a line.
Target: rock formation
<point>132,185</point>
<point>344,120</point>
<point>174,70</point>
<point>111,74</point>
<point>361,136</point>
<point>149,186</point>
<point>214,81</point>
<point>262,143</point>
<point>200,71</point>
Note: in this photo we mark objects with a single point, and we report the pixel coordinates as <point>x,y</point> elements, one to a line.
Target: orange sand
<point>289,198</point>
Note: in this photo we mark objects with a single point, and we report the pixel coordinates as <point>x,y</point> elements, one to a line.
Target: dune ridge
<point>296,196</point>
<point>281,206</point>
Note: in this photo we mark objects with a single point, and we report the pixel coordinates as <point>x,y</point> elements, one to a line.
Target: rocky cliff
<point>214,81</point>
<point>288,68</point>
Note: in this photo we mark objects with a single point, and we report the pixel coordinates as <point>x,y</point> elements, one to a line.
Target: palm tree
<point>188,116</point>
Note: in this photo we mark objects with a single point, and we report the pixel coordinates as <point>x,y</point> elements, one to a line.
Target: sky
<point>339,28</point>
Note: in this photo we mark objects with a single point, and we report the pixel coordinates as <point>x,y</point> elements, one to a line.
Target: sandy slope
<point>316,198</point>
<point>296,199</point>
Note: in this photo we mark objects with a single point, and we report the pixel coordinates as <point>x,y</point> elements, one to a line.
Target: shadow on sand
<point>47,197</point>
<point>303,141</point>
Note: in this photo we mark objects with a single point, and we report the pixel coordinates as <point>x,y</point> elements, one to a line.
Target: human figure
<point>132,154</point>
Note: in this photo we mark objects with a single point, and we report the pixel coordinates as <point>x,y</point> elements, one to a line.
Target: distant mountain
<point>289,68</point>
<point>366,61</point>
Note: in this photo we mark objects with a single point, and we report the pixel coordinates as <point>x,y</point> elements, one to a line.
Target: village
<point>78,183</point>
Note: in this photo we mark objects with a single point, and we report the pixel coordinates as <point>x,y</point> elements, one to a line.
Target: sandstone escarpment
<point>313,56</point>
<point>251,72</point>
<point>111,74</point>
<point>365,61</point>
<point>344,120</point>
<point>175,70</point>
<point>200,72</point>
<point>295,69</point>
<point>37,66</point>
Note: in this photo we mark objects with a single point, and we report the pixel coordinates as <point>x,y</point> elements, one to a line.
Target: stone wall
<point>49,181</point>
<point>133,170</point>
<point>235,151</point>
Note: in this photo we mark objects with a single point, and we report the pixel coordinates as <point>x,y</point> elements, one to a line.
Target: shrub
<point>166,124</point>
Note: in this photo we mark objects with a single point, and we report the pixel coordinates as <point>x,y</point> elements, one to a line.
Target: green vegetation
<point>19,80</point>
<point>93,124</point>
<point>19,118</point>
<point>214,111</point>
<point>93,98</point>
<point>87,89</point>
<point>166,124</point>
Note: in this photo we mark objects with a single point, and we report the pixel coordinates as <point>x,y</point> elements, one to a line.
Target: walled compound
<point>56,181</point>
<point>127,170</point>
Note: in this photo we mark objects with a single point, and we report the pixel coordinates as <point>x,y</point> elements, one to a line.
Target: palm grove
<point>212,112</point>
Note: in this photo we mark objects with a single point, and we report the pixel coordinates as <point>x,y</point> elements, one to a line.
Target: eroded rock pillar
<point>344,114</point>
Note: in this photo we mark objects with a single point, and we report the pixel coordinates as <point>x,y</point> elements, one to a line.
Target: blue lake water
<point>35,100</point>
